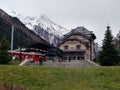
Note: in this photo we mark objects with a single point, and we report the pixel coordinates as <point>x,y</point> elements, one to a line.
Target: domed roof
<point>83,31</point>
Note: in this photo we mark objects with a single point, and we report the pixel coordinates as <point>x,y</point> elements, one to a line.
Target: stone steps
<point>66,64</point>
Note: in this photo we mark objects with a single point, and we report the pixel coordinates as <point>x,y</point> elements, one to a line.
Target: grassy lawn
<point>14,62</point>
<point>58,78</point>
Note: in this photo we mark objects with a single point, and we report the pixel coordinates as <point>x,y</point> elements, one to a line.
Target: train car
<point>33,57</point>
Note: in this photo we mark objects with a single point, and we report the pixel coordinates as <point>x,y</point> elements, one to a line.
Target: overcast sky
<point>92,14</point>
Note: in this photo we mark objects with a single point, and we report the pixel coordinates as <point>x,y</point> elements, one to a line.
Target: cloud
<point>93,14</point>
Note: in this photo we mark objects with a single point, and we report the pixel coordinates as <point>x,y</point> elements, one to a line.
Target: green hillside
<point>52,78</point>
<point>24,37</point>
<point>19,37</point>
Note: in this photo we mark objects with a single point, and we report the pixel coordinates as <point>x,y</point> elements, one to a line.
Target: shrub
<point>5,58</point>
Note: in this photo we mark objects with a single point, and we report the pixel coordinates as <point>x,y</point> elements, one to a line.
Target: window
<point>78,46</point>
<point>66,47</point>
<point>72,58</point>
<point>65,58</point>
<point>80,57</point>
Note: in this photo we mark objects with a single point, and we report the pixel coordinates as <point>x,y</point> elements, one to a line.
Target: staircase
<point>74,63</point>
<point>25,62</point>
<point>71,63</point>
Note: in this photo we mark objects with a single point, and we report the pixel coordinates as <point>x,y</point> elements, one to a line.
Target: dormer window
<point>66,47</point>
<point>78,46</point>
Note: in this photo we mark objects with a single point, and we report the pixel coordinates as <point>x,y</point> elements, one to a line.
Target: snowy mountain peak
<point>44,22</point>
<point>43,26</point>
<point>48,25</point>
<point>45,18</point>
<point>28,21</point>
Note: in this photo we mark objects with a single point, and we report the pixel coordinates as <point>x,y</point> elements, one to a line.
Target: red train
<point>35,57</point>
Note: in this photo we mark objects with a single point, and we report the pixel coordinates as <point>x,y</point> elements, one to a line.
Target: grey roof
<point>81,30</point>
<point>85,42</point>
<point>73,37</point>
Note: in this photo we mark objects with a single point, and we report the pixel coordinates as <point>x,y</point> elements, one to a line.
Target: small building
<point>78,44</point>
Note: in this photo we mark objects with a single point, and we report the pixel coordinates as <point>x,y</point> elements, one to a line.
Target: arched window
<point>66,47</point>
<point>78,46</point>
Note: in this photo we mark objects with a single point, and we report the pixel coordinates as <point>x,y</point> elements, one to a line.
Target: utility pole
<point>12,37</point>
<point>21,45</point>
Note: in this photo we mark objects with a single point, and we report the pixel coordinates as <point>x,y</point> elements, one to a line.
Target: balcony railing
<point>80,50</point>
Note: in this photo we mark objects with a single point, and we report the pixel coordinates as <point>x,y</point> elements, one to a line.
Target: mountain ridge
<point>22,33</point>
<point>43,26</point>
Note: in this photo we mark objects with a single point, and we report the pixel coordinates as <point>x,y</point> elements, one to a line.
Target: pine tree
<point>109,56</point>
<point>5,58</point>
